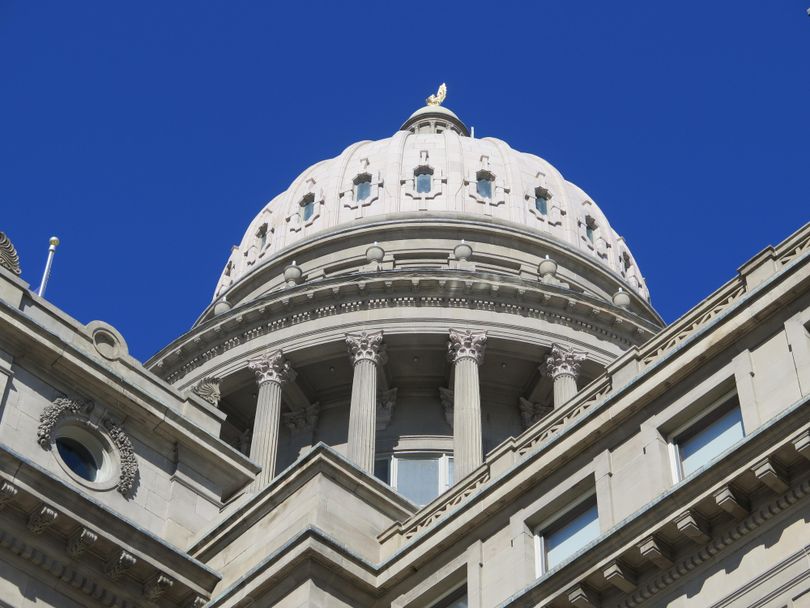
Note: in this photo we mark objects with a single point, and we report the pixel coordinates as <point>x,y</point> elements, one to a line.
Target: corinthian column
<point>563,368</point>
<point>466,352</point>
<point>272,371</point>
<point>367,351</point>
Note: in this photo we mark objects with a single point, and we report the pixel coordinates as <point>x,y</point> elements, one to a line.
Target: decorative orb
<point>221,307</point>
<point>375,253</point>
<point>293,273</point>
<point>621,299</point>
<point>462,252</point>
<point>547,267</point>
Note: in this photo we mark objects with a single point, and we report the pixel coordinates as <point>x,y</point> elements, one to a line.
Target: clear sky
<point>147,135</point>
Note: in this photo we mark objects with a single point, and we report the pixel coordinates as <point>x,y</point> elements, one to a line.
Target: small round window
<point>84,453</point>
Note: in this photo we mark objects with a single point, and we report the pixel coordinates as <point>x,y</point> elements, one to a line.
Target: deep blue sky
<point>148,135</point>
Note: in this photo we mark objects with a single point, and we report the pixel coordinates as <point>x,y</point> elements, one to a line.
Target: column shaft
<point>467,443</point>
<point>565,387</point>
<point>264,446</point>
<point>363,415</point>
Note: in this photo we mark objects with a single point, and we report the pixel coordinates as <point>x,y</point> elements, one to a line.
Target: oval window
<point>78,458</point>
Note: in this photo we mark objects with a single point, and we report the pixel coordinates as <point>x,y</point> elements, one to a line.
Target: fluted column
<point>562,366</point>
<point>272,371</point>
<point>466,352</point>
<point>367,351</point>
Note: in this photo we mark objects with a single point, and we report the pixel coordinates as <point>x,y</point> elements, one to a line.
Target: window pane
<point>423,182</point>
<point>589,233</point>
<point>561,543</point>
<point>418,478</point>
<point>363,191</point>
<point>78,458</point>
<point>382,469</point>
<point>541,205</point>
<point>484,188</point>
<point>308,210</point>
<point>711,441</point>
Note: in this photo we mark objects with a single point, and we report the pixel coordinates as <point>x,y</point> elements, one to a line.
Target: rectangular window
<point>706,437</point>
<point>541,204</point>
<point>419,477</point>
<point>423,183</point>
<point>457,599</point>
<point>564,536</point>
<point>362,191</point>
<point>484,188</point>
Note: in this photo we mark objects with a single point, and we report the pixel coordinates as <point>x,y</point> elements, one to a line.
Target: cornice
<point>163,407</point>
<point>398,289</point>
<point>97,536</point>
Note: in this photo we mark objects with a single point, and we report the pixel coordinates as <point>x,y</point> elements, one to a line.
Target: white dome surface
<point>432,140</point>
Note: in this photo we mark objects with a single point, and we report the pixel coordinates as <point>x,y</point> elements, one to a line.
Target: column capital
<point>303,420</point>
<point>563,361</point>
<point>466,343</point>
<point>366,346</point>
<point>272,367</point>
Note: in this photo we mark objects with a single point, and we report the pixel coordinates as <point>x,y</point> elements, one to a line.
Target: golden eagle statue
<point>438,98</point>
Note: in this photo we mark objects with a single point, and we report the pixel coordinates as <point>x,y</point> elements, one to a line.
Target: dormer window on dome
<point>424,178</point>
<point>261,237</point>
<point>541,198</point>
<point>307,207</point>
<point>590,228</point>
<point>483,185</point>
<point>362,187</point>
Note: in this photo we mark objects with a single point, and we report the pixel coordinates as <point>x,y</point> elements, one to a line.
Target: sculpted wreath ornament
<point>61,408</point>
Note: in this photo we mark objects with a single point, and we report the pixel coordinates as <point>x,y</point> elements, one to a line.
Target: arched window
<point>362,187</point>
<point>307,206</point>
<point>483,184</point>
<point>590,228</point>
<point>541,198</point>
<point>424,179</point>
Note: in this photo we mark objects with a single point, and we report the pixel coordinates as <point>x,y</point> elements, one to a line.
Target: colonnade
<point>466,350</point>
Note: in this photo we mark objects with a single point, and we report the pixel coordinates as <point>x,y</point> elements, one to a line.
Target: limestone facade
<point>417,400</point>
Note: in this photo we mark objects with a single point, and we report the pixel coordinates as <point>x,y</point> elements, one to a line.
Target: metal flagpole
<point>54,241</point>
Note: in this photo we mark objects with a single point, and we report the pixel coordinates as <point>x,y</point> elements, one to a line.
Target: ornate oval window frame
<point>107,441</point>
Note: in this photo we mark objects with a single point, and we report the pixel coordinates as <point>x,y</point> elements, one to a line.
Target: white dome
<point>432,140</point>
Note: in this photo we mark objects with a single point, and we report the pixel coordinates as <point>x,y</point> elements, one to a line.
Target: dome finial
<point>438,98</point>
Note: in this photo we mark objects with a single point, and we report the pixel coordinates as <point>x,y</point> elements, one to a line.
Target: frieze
<point>174,367</point>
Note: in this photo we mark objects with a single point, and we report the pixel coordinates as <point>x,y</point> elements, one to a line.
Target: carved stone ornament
<point>157,585</point>
<point>302,420</point>
<point>531,412</point>
<point>81,540</point>
<point>466,344</point>
<point>119,564</point>
<point>62,407</point>
<point>563,361</point>
<point>7,493</point>
<point>41,519</point>
<point>272,367</point>
<point>208,390</point>
<point>385,408</point>
<point>447,398</point>
<point>129,464</point>
<point>366,346</point>
<point>8,255</point>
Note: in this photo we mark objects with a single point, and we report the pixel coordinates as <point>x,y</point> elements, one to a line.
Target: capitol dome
<point>359,305</point>
<point>431,168</point>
